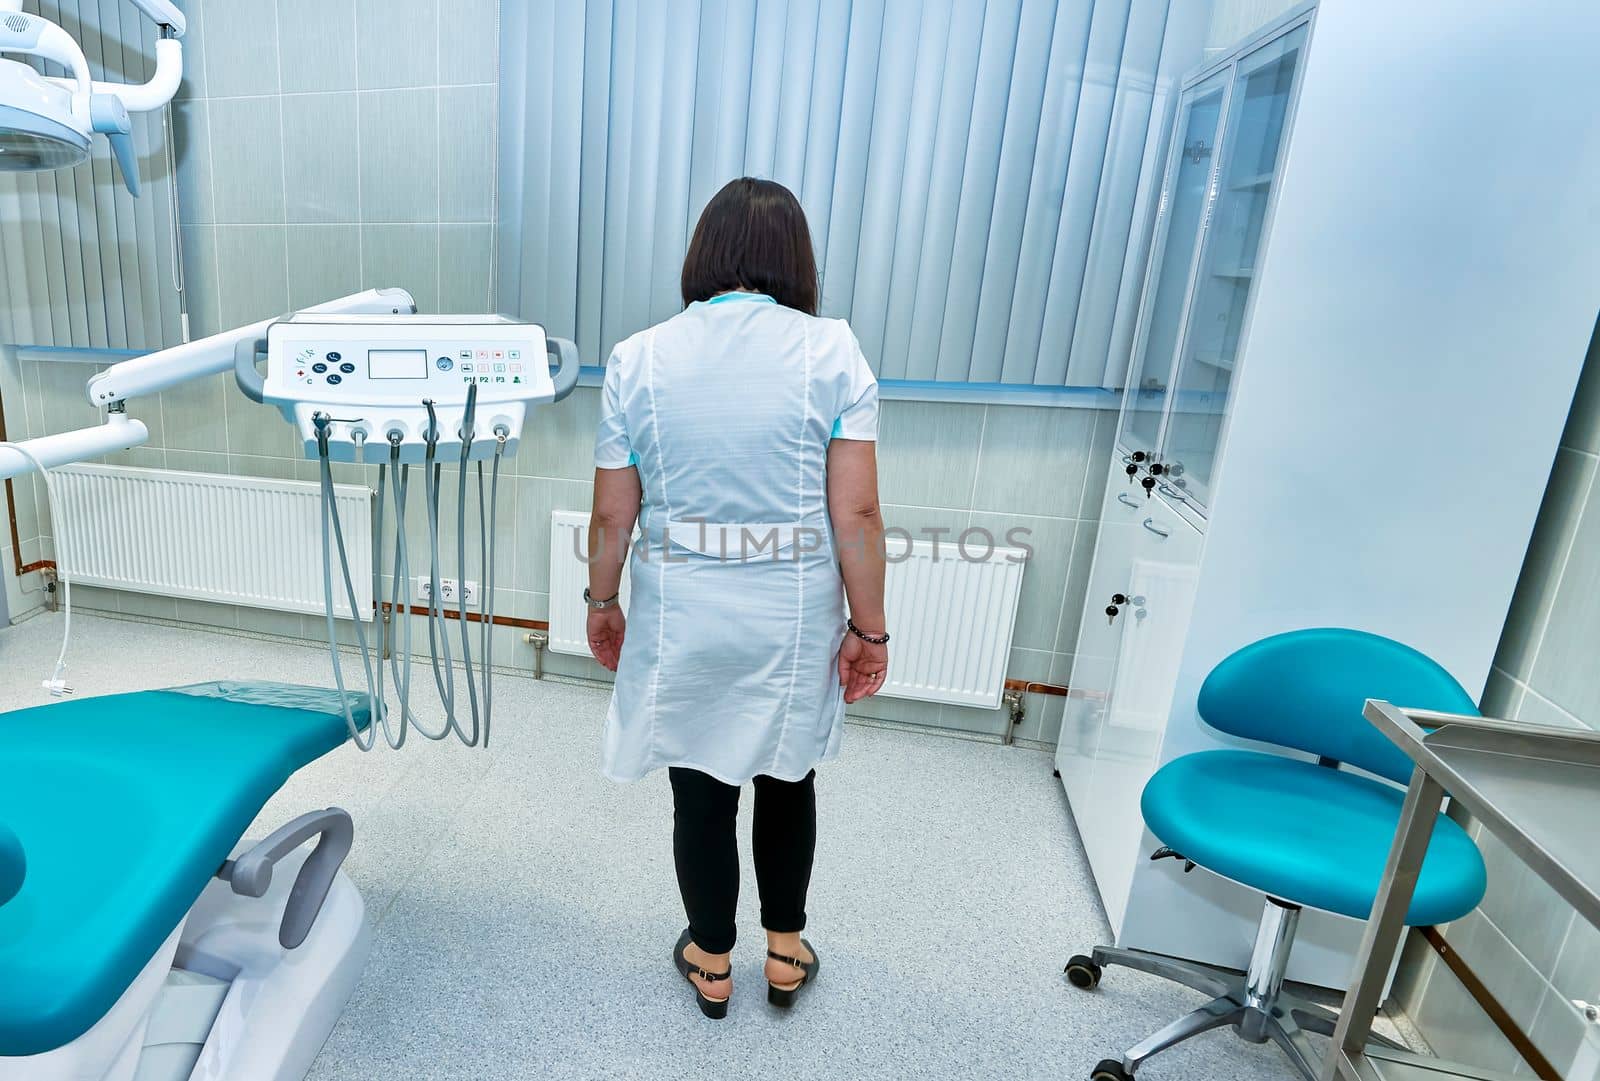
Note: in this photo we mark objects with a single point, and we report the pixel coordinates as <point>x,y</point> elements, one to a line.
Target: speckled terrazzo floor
<point>525,907</point>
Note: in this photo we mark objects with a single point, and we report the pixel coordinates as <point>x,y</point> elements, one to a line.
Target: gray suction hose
<point>467,418</point>
<point>444,680</point>
<point>399,580</point>
<point>330,517</point>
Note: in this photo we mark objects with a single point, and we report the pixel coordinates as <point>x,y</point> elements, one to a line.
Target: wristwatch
<point>595,606</point>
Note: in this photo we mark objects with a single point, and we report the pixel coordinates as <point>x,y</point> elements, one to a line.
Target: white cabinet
<point>1341,285</point>
<point>1227,142</point>
<point>1121,690</point>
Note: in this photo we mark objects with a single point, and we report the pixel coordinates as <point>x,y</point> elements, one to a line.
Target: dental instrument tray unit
<point>200,954</point>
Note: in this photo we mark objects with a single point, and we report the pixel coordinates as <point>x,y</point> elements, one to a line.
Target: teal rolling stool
<point>1308,834</point>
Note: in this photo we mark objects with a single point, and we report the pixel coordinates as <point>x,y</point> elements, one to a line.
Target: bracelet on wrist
<point>871,639</point>
<point>597,605</point>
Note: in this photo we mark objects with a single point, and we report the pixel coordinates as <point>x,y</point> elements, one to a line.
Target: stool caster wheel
<point>1110,1070</point>
<point>1084,974</point>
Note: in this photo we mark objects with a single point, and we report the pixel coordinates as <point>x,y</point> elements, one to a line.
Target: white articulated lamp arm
<point>155,372</point>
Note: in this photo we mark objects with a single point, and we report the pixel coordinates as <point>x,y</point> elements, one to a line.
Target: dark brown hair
<point>752,235</point>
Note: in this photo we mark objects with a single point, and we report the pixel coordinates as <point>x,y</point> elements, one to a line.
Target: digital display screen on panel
<point>397,364</point>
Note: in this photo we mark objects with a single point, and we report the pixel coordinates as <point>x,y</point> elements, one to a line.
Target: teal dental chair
<point>1308,834</point>
<point>140,935</point>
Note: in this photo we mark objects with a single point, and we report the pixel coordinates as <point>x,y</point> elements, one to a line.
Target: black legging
<point>704,845</point>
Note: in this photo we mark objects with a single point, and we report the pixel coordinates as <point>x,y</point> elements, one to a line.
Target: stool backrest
<point>1305,689</point>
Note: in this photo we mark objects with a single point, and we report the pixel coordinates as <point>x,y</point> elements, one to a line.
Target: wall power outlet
<point>449,591</point>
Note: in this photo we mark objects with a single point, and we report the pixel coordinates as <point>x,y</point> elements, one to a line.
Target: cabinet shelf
<point>1254,180</point>
<point>1240,273</point>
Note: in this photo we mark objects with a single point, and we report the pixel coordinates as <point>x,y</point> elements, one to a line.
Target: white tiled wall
<point>1525,942</point>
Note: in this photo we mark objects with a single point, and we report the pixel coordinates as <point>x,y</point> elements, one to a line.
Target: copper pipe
<point>473,617</point>
<point>1035,688</point>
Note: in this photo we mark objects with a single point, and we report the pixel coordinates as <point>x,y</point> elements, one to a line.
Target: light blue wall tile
<point>255,429</point>
<point>192,148</point>
<point>403,255</point>
<point>241,47</point>
<point>882,707</point>
<point>1577,971</point>
<point>558,441</point>
<point>1518,980</point>
<point>464,257</point>
<point>466,153</point>
<point>1455,1026</point>
<point>196,418</point>
<point>927,453</point>
<point>324,263</point>
<point>1045,578</point>
<point>252,267</point>
<point>397,43</point>
<point>536,500</point>
<point>1571,480</point>
<point>248,465</point>
<point>194,50</point>
<point>201,292</point>
<point>400,156</point>
<point>1501,696</point>
<point>321,158</point>
<point>1034,460</point>
<point>1564,671</point>
<point>1568,1039</point>
<point>94,599</point>
<point>1098,470</point>
<point>1521,906</point>
<point>247,159</point>
<point>319,44</point>
<point>205,613</point>
<point>1583,423</point>
<point>1072,601</point>
<point>266,621</point>
<point>1534,708</point>
<point>925,525</point>
<point>146,605</point>
<point>198,461</point>
<point>467,45</point>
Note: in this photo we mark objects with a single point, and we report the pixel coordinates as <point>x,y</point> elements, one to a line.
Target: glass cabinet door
<point>1252,143</point>
<point>1183,204</point>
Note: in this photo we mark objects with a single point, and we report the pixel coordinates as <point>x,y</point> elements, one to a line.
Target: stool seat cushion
<point>1304,833</point>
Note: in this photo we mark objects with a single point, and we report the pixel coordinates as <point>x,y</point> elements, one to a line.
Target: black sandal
<point>716,1009</point>
<point>783,997</point>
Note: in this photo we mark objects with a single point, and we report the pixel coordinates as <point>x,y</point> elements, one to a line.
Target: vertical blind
<point>977,175</point>
<point>83,263</point>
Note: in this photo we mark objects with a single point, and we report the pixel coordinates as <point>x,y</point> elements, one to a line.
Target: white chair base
<point>222,999</point>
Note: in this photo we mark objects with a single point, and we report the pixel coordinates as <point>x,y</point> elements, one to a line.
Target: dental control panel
<point>367,383</point>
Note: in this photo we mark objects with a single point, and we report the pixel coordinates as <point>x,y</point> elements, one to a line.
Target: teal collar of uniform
<point>760,298</point>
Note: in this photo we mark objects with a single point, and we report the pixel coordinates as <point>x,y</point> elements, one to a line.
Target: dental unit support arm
<point>155,372</point>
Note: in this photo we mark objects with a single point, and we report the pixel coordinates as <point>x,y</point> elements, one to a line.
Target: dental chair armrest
<point>251,874</point>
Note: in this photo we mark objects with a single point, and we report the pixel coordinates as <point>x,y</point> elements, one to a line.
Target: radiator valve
<point>1017,712</point>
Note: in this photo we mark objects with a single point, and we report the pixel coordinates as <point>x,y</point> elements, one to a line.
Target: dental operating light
<point>48,122</point>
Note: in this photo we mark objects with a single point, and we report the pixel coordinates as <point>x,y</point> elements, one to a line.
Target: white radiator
<point>230,540</point>
<point>951,618</point>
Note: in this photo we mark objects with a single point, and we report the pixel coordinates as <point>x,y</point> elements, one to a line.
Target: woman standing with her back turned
<point>746,427</point>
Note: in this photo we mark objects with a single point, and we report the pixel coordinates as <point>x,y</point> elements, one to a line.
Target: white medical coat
<point>730,660</point>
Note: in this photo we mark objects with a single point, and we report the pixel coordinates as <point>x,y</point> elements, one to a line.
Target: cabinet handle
<point>1172,493</point>
<point>1150,524</point>
<point>1122,497</point>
